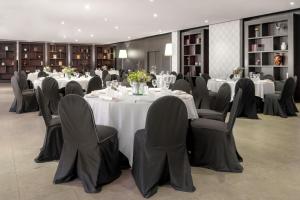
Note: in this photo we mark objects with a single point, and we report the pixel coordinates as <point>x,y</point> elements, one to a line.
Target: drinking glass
<point>154,83</point>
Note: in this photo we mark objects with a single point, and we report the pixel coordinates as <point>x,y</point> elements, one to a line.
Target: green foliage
<point>138,76</point>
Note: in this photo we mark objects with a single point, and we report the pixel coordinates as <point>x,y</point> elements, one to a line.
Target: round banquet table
<point>127,113</point>
<point>262,87</point>
<point>62,81</point>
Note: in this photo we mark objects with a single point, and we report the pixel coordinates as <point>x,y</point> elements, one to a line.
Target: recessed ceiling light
<point>65,36</point>
<point>92,35</point>
<point>155,15</point>
<point>53,41</point>
<point>105,19</point>
<point>129,37</point>
<point>76,40</point>
<point>79,30</point>
<point>62,22</point>
<point>160,31</point>
<point>151,1</point>
<point>87,7</point>
<point>206,21</point>
<point>116,27</point>
<point>292,3</point>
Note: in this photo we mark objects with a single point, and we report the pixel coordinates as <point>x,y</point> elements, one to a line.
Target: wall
<point>225,48</point>
<point>137,51</point>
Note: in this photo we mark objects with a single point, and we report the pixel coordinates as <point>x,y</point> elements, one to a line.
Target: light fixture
<point>160,31</point>
<point>151,1</point>
<point>292,3</point>
<point>206,21</point>
<point>76,40</point>
<point>62,22</point>
<point>92,35</point>
<point>106,19</point>
<point>79,30</point>
<point>129,37</point>
<point>87,7</point>
<point>169,52</point>
<point>155,15</point>
<point>64,36</point>
<point>122,55</point>
<point>116,27</point>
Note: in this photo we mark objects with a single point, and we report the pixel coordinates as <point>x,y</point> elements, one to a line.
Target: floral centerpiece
<point>238,72</point>
<point>138,80</point>
<point>68,71</point>
<point>47,69</point>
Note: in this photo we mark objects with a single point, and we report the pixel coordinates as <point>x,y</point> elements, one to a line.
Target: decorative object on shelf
<point>35,49</point>
<point>25,49</point>
<point>6,48</point>
<point>283,46</point>
<point>25,56</point>
<point>257,62</point>
<point>137,81</point>
<point>122,55</point>
<point>78,56</point>
<point>3,63</point>
<point>278,27</point>
<point>47,69</point>
<point>278,59</point>
<point>54,56</point>
<point>68,71</point>
<point>257,32</point>
<point>60,63</point>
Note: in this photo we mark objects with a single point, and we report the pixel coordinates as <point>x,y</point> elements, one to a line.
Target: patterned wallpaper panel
<point>224,48</point>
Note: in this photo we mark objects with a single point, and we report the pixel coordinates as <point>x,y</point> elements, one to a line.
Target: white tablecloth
<point>128,115</point>
<point>62,82</point>
<point>262,87</point>
<point>99,72</point>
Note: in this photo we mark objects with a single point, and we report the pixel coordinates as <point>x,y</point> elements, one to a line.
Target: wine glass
<point>154,83</point>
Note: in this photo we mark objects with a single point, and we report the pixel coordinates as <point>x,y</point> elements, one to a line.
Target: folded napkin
<point>91,95</point>
<point>107,98</point>
<point>178,92</point>
<point>217,79</point>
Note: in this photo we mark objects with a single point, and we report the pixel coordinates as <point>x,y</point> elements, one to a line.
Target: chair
<point>22,80</point>
<point>104,74</point>
<point>114,77</point>
<point>220,108</point>
<point>213,144</point>
<point>92,73</point>
<point>95,83</point>
<point>107,78</point>
<point>200,94</point>
<point>206,77</point>
<point>51,94</point>
<point>174,73</point>
<point>25,100</point>
<point>90,152</point>
<point>74,87</point>
<point>267,77</point>
<point>295,87</point>
<point>160,153</point>
<point>281,104</point>
<point>248,102</point>
<point>179,76</point>
<point>182,85</point>
<point>53,141</point>
<point>42,74</point>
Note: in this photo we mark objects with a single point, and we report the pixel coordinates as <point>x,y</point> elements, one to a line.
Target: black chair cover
<point>160,153</point>
<point>213,144</point>
<point>182,85</point>
<point>200,93</point>
<point>281,104</point>
<point>53,141</point>
<point>90,152</point>
<point>248,101</point>
<point>25,100</point>
<point>42,74</point>
<point>51,94</point>
<point>92,73</point>
<point>22,80</point>
<point>95,83</point>
<point>206,77</point>
<point>104,74</point>
<point>295,87</point>
<point>174,73</point>
<point>221,105</point>
<point>179,76</point>
<point>114,77</point>
<point>74,88</point>
<point>267,76</point>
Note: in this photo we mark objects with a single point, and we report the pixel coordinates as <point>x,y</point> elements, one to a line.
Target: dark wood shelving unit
<point>8,63</point>
<point>81,57</point>
<point>57,55</point>
<point>194,52</point>
<point>265,39</point>
<point>105,56</point>
<point>31,56</point>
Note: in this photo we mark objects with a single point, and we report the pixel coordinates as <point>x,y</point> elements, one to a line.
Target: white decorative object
<point>283,46</point>
<point>6,48</point>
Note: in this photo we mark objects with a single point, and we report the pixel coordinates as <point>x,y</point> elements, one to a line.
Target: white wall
<point>176,51</point>
<point>225,48</point>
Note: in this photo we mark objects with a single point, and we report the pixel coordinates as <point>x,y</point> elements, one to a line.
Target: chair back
<point>182,85</point>
<point>234,109</point>
<point>267,76</point>
<point>74,88</point>
<point>167,122</point>
<point>77,121</point>
<point>288,89</point>
<point>22,80</point>
<point>174,73</point>
<point>95,83</point>
<point>206,77</point>
<point>92,73</point>
<point>179,76</point>
<point>104,74</point>
<point>51,94</point>
<point>43,106</point>
<point>223,98</point>
<point>17,93</point>
<point>200,92</point>
<point>42,74</point>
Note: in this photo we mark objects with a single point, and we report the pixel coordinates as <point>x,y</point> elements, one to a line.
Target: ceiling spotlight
<point>116,27</point>
<point>76,40</point>
<point>92,35</point>
<point>87,7</point>
<point>206,21</point>
<point>129,37</point>
<point>106,19</point>
<point>53,41</point>
<point>292,3</point>
<point>79,30</point>
<point>65,36</point>
<point>151,1</point>
<point>62,22</point>
<point>160,31</point>
<point>155,15</point>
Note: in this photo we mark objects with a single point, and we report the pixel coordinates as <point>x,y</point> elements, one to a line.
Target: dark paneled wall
<point>144,52</point>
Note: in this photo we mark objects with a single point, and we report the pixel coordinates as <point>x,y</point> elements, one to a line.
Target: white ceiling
<point>40,20</point>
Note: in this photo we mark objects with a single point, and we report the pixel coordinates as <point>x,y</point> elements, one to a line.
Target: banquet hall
<point>149,99</point>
